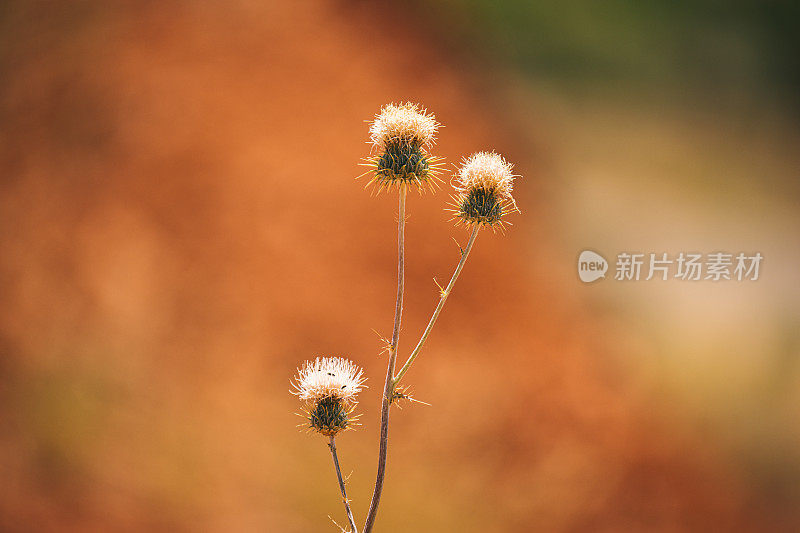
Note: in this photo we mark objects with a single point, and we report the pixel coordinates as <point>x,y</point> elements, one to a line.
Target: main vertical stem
<point>332,446</point>
<point>388,387</point>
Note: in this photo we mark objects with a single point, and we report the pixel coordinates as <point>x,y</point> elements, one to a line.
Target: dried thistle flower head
<point>404,123</point>
<point>402,135</point>
<point>483,186</point>
<point>328,387</point>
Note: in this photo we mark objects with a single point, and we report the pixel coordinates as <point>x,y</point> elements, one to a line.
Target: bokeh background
<point>180,228</point>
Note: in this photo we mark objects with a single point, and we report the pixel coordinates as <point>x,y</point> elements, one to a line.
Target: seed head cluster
<point>402,135</point>
<point>483,187</point>
<point>328,387</point>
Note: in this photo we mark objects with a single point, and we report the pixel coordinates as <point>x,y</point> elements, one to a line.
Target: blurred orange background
<point>181,229</point>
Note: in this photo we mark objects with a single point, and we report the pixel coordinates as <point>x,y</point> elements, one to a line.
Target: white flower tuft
<point>488,171</point>
<point>403,123</point>
<point>329,377</point>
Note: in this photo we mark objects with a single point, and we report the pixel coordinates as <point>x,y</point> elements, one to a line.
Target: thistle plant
<point>327,389</point>
<point>402,137</point>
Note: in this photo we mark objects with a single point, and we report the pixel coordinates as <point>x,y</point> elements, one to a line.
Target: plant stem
<point>442,300</point>
<point>388,388</point>
<point>332,446</point>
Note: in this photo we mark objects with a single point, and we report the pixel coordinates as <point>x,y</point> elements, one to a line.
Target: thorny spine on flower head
<point>403,135</point>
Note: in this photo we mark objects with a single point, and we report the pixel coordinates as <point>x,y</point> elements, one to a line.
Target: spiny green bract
<point>480,206</point>
<point>403,162</point>
<point>329,416</point>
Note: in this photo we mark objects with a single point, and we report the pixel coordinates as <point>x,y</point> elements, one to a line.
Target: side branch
<point>445,293</point>
<point>332,446</point>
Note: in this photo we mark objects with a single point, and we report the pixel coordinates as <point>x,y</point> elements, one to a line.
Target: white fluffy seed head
<point>488,171</point>
<point>403,123</point>
<point>328,377</point>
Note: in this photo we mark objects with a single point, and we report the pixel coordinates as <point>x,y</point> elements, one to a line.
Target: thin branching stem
<point>388,389</point>
<point>444,294</point>
<point>332,446</point>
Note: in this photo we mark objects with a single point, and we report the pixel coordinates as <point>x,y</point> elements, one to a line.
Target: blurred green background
<point>730,50</point>
<point>676,130</point>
